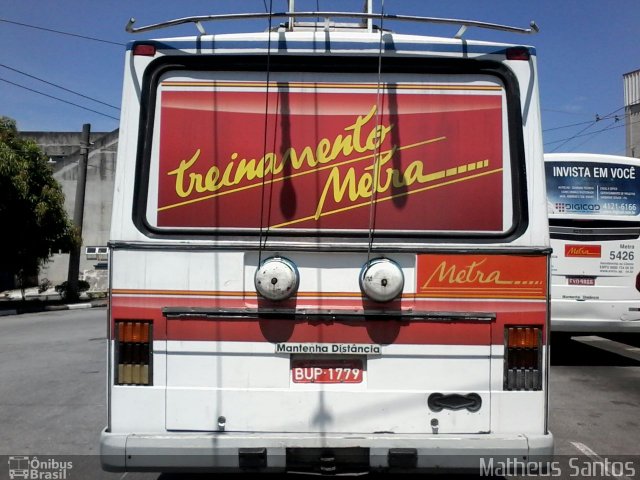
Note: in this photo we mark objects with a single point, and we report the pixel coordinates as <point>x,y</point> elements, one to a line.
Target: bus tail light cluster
<point>133,353</point>
<point>523,358</point>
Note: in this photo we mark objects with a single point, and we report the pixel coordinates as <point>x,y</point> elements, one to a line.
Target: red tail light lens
<point>144,50</point>
<point>638,282</point>
<point>133,353</point>
<point>518,53</point>
<point>523,358</point>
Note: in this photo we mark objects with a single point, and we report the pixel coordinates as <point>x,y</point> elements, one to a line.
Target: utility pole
<point>78,215</point>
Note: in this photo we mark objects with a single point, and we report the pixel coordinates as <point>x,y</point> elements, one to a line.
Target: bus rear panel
<point>328,254</point>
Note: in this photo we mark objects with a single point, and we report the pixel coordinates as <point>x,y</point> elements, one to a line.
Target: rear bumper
<point>569,315</point>
<point>233,452</point>
<point>579,325</point>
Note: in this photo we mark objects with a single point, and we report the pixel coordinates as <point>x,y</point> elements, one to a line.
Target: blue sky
<point>584,47</point>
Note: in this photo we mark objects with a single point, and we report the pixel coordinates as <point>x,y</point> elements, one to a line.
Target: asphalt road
<point>52,393</point>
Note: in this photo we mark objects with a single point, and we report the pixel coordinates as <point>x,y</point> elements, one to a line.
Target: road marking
<point>610,346</point>
<point>594,456</point>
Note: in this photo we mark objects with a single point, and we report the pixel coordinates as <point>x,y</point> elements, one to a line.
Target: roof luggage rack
<point>366,17</point>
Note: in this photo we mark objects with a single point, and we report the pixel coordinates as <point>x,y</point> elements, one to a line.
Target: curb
<point>80,306</point>
<point>72,306</point>
<point>53,308</point>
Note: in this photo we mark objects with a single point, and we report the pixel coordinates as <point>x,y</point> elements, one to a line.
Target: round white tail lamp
<point>277,278</point>
<point>381,279</point>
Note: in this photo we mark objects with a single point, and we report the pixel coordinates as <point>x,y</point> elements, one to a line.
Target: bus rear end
<point>329,254</point>
<point>594,222</point>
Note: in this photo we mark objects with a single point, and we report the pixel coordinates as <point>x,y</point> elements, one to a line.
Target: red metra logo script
<point>589,251</point>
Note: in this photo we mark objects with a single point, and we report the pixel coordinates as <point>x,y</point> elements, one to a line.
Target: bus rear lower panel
<point>328,454</point>
<point>217,379</point>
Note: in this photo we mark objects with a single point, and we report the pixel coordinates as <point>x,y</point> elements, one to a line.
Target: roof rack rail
<point>197,20</point>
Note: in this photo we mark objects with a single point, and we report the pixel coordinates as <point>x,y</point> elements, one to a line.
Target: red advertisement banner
<point>583,251</point>
<point>315,157</point>
<point>482,276</point>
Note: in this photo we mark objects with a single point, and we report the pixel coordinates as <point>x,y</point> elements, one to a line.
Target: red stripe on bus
<point>349,331</point>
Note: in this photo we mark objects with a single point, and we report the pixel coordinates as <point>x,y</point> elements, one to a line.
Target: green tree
<point>33,221</point>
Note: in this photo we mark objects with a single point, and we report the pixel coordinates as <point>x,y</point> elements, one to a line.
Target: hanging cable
<point>376,146</point>
<point>261,245</point>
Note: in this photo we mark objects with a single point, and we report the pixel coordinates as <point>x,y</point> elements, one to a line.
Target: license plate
<point>326,371</point>
<point>586,281</point>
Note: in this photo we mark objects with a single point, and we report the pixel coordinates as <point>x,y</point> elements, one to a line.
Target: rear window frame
<point>284,63</point>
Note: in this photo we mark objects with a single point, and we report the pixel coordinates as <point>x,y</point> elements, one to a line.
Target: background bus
<point>594,223</point>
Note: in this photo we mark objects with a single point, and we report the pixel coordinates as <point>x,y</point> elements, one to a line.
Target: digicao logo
<point>582,207</point>
<point>584,251</point>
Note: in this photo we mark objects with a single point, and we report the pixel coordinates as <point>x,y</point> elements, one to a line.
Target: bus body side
<point>594,208</point>
<point>325,268</point>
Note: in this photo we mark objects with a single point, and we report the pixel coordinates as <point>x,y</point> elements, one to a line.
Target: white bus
<point>329,252</point>
<point>594,222</point>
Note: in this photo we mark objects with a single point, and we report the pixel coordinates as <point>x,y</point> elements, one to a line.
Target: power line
<point>84,37</point>
<point>567,126</point>
<point>616,119</point>
<point>611,127</point>
<point>592,136</point>
<point>56,98</point>
<point>597,119</point>
<point>565,140</point>
<point>578,134</point>
<point>58,86</point>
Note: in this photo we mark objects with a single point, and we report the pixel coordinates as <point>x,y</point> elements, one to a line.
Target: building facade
<point>63,150</point>
<point>632,112</point>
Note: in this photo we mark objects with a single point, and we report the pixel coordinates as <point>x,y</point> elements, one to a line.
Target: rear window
<point>318,153</point>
